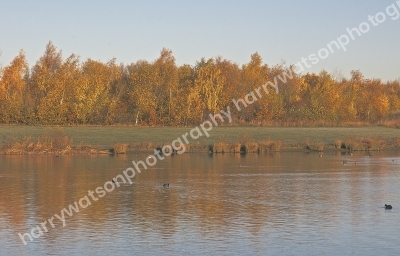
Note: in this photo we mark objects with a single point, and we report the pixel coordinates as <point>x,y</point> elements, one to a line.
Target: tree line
<point>58,91</point>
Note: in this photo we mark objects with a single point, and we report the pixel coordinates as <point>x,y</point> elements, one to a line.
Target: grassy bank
<point>147,138</point>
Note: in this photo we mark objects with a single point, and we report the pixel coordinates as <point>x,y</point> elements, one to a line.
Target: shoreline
<point>34,140</point>
<point>205,150</point>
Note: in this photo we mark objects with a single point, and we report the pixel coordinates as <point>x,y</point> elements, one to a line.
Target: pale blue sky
<point>280,30</point>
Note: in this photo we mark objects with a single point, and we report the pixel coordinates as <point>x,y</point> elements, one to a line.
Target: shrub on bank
<point>119,148</point>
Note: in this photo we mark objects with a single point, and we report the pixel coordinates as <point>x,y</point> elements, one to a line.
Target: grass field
<point>105,136</point>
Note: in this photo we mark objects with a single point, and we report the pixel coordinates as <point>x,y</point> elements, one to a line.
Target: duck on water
<point>388,207</point>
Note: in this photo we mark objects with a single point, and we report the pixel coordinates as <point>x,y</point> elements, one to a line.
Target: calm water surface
<point>282,204</point>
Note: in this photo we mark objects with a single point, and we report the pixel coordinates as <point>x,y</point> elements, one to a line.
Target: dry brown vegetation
<point>312,145</point>
<point>365,144</point>
<point>53,141</point>
<point>119,148</point>
<point>269,145</point>
<point>245,144</point>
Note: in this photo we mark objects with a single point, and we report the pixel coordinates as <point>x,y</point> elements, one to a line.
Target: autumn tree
<point>93,101</point>
<point>12,86</point>
<point>255,75</point>
<point>47,86</point>
<point>210,82</point>
<point>166,86</point>
<point>143,102</point>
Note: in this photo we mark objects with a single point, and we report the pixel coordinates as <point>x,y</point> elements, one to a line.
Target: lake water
<point>288,203</point>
